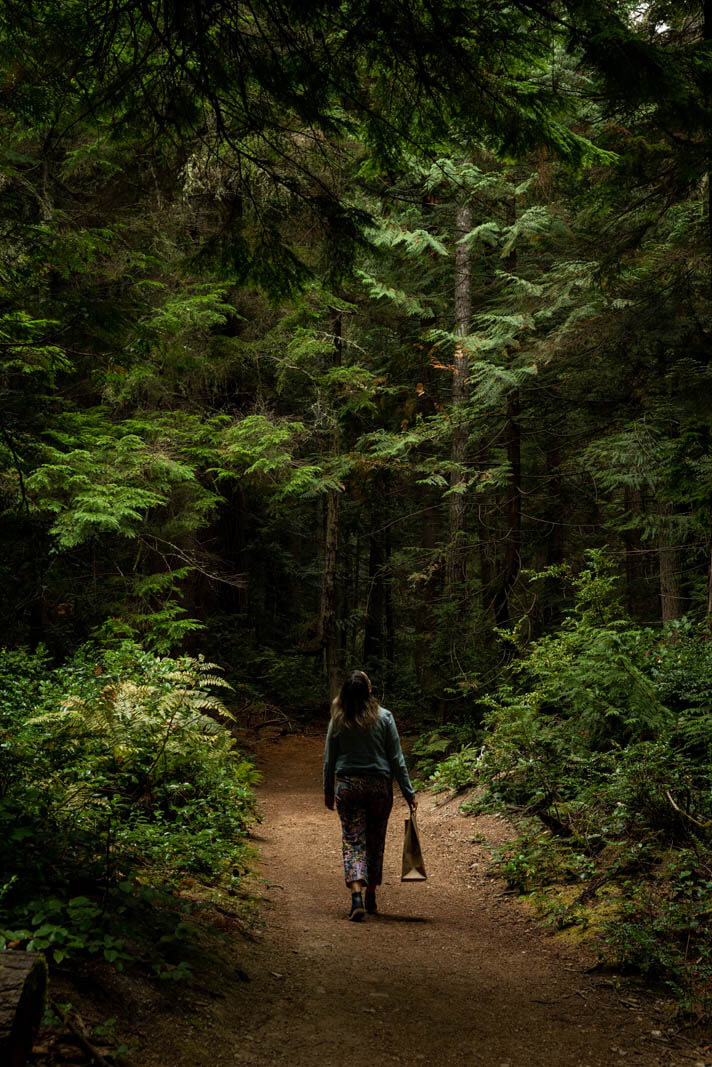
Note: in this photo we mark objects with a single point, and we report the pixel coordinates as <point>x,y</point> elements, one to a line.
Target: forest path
<point>452,972</point>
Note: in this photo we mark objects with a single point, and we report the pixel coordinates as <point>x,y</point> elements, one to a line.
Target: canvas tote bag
<point>413,866</point>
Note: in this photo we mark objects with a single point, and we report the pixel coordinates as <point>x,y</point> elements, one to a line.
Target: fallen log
<point>23,987</point>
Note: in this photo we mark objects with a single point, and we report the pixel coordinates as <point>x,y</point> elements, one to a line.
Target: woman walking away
<point>363,753</point>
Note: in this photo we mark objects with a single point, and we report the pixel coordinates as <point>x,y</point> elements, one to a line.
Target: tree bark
<point>669,585</point>
<point>636,598</point>
<point>513,504</point>
<point>389,612</point>
<point>707,36</point>
<point>668,563</point>
<point>430,590</point>
<point>373,638</point>
<point>328,628</point>
<point>354,631</point>
<point>456,562</point>
<point>555,538</point>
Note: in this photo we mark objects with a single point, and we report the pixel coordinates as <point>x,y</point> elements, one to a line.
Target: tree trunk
<point>379,629</point>
<point>555,540</point>
<point>669,585</point>
<point>389,613</point>
<point>429,592</point>
<point>707,36</point>
<point>373,640</point>
<point>328,628</point>
<point>513,504</point>
<point>669,568</point>
<point>354,632</point>
<point>456,562</point>
<point>513,512</point>
<point>636,598</point>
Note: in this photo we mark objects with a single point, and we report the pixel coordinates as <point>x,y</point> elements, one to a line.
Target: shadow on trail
<point>381,918</point>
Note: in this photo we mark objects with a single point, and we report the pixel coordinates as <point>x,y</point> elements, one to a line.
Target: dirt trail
<point>452,972</point>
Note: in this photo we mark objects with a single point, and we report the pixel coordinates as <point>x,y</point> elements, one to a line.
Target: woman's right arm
<point>397,762</point>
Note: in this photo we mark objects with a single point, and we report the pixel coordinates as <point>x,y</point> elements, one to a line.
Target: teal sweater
<point>374,751</point>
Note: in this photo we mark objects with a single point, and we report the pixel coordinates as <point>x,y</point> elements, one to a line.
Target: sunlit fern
<point>175,712</point>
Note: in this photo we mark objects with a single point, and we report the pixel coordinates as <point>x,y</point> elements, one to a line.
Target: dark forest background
<point>353,334</point>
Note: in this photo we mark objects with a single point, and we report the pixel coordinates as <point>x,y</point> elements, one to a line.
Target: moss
<point>558,905</point>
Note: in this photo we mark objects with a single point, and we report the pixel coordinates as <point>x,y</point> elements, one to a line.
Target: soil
<point>451,971</point>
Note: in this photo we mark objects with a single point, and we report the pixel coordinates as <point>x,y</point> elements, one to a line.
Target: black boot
<point>371,906</point>
<point>358,912</point>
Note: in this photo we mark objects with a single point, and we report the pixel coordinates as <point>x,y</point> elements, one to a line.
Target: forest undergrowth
<point>597,748</point>
<point>125,806</point>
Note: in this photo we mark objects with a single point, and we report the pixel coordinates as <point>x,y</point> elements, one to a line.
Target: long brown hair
<point>355,708</point>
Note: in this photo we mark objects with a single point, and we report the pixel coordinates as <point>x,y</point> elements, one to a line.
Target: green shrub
<point>118,781</point>
<point>599,743</point>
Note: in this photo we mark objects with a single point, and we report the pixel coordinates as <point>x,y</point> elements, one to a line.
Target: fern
<point>487,233</point>
<point>398,297</point>
<point>536,222</point>
<point>171,712</point>
<point>413,242</point>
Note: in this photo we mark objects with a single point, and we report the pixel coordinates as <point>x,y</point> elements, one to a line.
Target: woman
<point>363,753</point>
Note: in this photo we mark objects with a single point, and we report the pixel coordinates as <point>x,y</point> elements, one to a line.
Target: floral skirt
<point>364,803</point>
